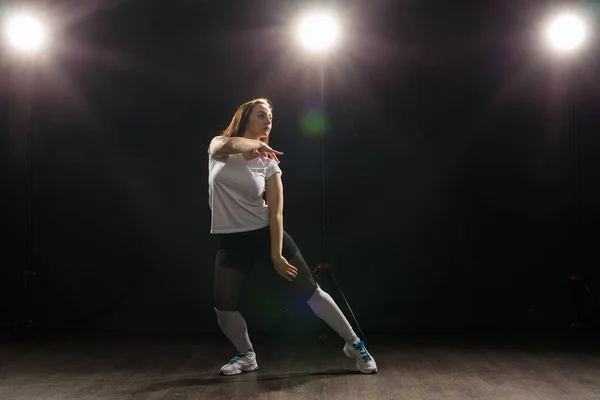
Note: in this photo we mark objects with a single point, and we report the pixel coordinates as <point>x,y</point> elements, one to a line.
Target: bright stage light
<point>26,33</point>
<point>318,32</point>
<point>566,33</point>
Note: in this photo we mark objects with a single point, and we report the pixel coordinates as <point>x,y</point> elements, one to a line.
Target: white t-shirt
<point>235,192</point>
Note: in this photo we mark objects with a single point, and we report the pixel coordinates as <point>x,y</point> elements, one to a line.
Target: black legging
<point>239,252</point>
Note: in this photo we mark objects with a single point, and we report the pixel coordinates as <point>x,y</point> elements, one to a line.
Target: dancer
<point>242,167</point>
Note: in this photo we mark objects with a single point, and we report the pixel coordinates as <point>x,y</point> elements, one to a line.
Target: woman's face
<point>260,122</point>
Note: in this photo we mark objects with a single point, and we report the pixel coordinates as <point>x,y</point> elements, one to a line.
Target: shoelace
<point>360,347</point>
<point>237,357</point>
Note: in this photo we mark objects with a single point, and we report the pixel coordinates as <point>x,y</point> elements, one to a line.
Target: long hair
<point>240,119</point>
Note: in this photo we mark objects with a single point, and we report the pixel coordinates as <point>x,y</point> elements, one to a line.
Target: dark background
<point>449,165</point>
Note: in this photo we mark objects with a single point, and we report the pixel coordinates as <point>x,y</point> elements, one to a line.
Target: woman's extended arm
<point>222,146</point>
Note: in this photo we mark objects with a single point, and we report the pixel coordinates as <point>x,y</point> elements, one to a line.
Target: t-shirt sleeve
<point>272,168</point>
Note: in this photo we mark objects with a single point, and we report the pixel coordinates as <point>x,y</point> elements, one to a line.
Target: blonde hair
<point>240,119</point>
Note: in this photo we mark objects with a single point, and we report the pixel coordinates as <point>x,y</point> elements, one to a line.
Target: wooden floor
<point>409,368</point>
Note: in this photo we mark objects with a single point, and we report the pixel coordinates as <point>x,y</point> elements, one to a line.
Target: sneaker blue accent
<point>237,357</point>
<point>360,347</point>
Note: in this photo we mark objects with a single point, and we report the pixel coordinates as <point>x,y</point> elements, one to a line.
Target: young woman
<point>242,167</point>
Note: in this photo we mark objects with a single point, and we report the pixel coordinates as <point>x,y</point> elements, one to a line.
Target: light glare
<point>566,33</point>
<point>26,33</point>
<point>318,32</point>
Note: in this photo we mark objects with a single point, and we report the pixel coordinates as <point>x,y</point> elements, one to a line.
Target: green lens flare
<point>314,123</point>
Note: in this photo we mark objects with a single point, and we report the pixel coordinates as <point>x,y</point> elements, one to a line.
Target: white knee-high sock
<point>325,308</point>
<point>234,327</point>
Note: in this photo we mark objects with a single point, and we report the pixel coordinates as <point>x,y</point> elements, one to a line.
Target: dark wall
<point>449,168</point>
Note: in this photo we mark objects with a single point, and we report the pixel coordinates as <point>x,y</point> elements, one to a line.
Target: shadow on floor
<point>266,381</point>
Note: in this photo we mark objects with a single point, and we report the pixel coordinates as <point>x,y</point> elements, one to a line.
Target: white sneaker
<point>364,362</point>
<point>240,363</point>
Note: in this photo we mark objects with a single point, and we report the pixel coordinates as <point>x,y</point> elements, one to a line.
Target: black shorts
<point>243,250</point>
